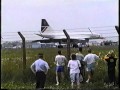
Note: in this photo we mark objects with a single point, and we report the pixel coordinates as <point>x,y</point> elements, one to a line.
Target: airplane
<point>51,35</point>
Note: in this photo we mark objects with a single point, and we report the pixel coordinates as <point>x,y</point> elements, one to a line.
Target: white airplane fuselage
<point>48,32</point>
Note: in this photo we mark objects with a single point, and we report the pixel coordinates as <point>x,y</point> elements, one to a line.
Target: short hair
<point>89,50</point>
<point>73,56</point>
<point>80,49</point>
<point>40,55</point>
<point>59,52</point>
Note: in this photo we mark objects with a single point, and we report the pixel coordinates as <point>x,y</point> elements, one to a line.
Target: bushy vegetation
<point>12,76</point>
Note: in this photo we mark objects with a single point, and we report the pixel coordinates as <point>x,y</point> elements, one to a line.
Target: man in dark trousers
<point>40,69</point>
<point>111,62</point>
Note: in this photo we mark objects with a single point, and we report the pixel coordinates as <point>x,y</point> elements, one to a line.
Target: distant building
<point>115,43</point>
<point>36,45</point>
<point>39,45</point>
<point>93,43</point>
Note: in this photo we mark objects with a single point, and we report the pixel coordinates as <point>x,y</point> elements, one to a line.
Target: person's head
<point>89,50</point>
<point>111,53</point>
<point>40,55</point>
<point>73,56</point>
<point>80,49</point>
<point>59,52</point>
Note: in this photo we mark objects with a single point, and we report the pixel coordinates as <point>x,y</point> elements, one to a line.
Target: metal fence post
<point>117,29</point>
<point>24,55</point>
<point>68,44</point>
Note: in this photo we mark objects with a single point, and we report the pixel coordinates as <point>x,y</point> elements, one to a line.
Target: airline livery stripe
<point>44,26</point>
<point>44,29</point>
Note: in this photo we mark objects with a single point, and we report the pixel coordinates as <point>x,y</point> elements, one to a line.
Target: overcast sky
<point>26,15</point>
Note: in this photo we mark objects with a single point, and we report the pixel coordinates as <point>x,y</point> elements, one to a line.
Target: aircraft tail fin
<point>44,25</point>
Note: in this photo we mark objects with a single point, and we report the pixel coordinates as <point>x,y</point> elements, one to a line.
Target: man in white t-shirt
<point>74,68</point>
<point>60,61</point>
<point>40,69</point>
<point>90,60</point>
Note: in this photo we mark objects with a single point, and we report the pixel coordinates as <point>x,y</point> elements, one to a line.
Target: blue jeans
<point>90,67</point>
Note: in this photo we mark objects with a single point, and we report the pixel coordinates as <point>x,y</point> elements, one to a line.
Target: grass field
<point>12,68</point>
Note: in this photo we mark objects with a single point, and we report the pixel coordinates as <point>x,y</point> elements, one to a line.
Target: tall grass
<point>12,66</point>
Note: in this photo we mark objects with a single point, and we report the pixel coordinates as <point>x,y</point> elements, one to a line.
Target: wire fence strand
<point>30,35</point>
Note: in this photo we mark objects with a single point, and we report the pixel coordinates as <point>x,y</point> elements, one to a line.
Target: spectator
<point>40,69</point>
<point>60,61</point>
<point>111,63</point>
<point>80,57</point>
<point>74,68</point>
<point>90,60</point>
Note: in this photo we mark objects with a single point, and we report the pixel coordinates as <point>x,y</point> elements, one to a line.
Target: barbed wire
<point>52,31</point>
<point>75,30</point>
<point>91,27</point>
<point>38,37</point>
<point>65,29</point>
<point>30,34</point>
<point>102,26</point>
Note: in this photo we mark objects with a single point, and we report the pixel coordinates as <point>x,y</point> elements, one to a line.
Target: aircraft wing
<point>56,40</point>
<point>79,37</point>
<point>45,36</point>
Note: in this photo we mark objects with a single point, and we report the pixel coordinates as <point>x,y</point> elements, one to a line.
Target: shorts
<point>75,77</point>
<point>60,68</point>
<point>90,67</point>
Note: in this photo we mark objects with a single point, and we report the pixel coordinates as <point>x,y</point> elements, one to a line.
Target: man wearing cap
<point>40,69</point>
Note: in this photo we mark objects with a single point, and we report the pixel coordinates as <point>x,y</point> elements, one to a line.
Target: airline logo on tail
<point>44,25</point>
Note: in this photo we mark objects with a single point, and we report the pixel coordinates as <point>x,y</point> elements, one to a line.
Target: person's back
<point>40,69</point>
<point>40,65</point>
<point>91,58</point>
<point>60,59</point>
<point>74,68</point>
<point>80,57</point>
